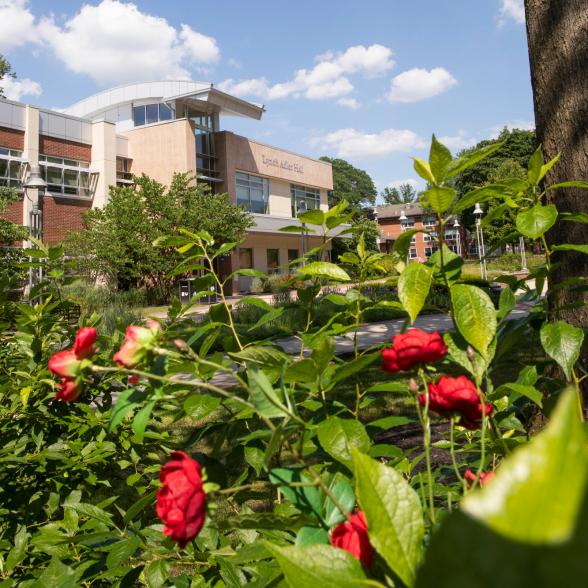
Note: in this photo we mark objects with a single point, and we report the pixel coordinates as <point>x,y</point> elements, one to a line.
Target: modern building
<point>395,219</point>
<point>158,128</point>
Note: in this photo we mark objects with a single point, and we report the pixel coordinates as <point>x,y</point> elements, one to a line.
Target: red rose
<point>470,478</point>
<point>138,341</point>
<point>456,395</point>
<point>69,390</point>
<point>414,346</point>
<point>68,364</point>
<point>352,536</point>
<point>181,501</point>
<point>84,342</point>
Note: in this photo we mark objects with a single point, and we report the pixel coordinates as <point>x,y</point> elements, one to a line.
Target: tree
<point>556,32</point>
<point>116,242</point>
<point>353,185</point>
<point>369,229</point>
<point>9,231</point>
<point>5,71</point>
<point>404,194</point>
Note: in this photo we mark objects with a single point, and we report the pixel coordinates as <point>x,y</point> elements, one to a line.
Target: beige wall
<point>103,160</point>
<point>162,150</point>
<point>280,198</point>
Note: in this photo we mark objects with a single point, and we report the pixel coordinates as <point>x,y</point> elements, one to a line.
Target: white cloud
<point>523,125</point>
<point>114,42</point>
<point>15,89</point>
<point>17,24</point>
<point>459,141</point>
<point>410,181</point>
<point>327,79</point>
<point>513,10</point>
<point>418,84</point>
<point>355,144</point>
<point>349,103</point>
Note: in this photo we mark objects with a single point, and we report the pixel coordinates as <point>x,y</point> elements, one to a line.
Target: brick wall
<point>61,215</point>
<point>63,148</point>
<point>14,212</point>
<point>12,139</point>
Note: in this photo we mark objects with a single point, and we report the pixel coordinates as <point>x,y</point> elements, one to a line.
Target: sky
<point>365,81</point>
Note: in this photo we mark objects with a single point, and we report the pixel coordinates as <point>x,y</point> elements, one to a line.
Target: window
<point>252,193</point>
<point>10,167</point>
<point>245,258</point>
<point>123,171</point>
<point>310,196</point>
<point>292,255</point>
<point>430,250</point>
<point>407,224</point>
<point>67,177</point>
<point>429,221</point>
<point>273,261</point>
<point>147,114</point>
<point>413,253</point>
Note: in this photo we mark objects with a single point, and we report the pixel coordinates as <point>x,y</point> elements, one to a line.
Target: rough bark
<point>557,32</point>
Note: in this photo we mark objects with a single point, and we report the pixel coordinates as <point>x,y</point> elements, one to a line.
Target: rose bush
<point>416,465</point>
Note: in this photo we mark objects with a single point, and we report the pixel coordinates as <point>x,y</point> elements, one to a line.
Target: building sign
<point>282,164</point>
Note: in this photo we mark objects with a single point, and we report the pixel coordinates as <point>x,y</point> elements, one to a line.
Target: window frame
<point>11,156</point>
<point>243,181</point>
<point>308,194</point>
<point>83,190</point>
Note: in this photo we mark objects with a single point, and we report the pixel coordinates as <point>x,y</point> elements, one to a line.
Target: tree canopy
<point>404,194</point>
<point>116,241</point>
<point>5,71</point>
<point>351,184</point>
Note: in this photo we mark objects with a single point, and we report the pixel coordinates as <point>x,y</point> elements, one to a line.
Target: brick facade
<point>63,148</point>
<point>11,138</point>
<point>60,216</point>
<point>14,212</point>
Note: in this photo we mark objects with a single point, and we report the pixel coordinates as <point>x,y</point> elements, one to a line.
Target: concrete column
<point>260,259</point>
<point>103,160</point>
<point>283,259</point>
<point>30,154</point>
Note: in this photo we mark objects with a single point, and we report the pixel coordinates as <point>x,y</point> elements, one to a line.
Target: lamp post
<point>35,182</point>
<point>403,218</point>
<point>301,209</point>
<point>457,226</point>
<point>378,240</point>
<point>480,240</point>
<point>523,253</point>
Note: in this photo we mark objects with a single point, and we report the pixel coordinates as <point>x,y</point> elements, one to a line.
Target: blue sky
<point>366,81</point>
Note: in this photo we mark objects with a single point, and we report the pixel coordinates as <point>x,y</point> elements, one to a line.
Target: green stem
<point>426,424</point>
<point>452,450</point>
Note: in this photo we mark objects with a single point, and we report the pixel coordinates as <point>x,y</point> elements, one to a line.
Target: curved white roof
<point>93,106</point>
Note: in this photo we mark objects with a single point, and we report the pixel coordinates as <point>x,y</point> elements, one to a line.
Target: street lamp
<point>378,240</point>
<point>402,216</point>
<point>301,209</point>
<point>523,253</point>
<point>457,226</point>
<point>478,212</point>
<point>34,181</point>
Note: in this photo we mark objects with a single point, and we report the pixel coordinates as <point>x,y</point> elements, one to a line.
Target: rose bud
<point>69,390</point>
<point>138,341</point>
<point>84,342</point>
<point>485,477</point>
<point>181,500</point>
<point>352,536</point>
<point>411,348</point>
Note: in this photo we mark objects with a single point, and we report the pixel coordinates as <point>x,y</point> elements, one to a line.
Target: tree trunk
<point>557,32</point>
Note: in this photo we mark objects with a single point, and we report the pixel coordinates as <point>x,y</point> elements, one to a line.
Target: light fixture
<point>34,179</point>
<point>456,224</point>
<point>301,209</point>
<point>403,216</point>
<point>478,210</point>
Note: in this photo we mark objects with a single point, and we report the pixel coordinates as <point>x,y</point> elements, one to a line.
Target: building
<point>158,128</point>
<point>395,219</point>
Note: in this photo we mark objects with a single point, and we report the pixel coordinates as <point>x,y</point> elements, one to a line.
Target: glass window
<point>139,115</point>
<point>252,193</point>
<point>151,113</point>
<point>165,112</point>
<point>292,254</point>
<point>413,254</point>
<point>10,167</point>
<point>65,176</point>
<point>245,258</point>
<point>429,221</point>
<point>304,197</point>
<point>273,261</point>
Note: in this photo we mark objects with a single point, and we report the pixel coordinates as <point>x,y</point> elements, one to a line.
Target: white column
<point>103,160</point>
<point>31,155</point>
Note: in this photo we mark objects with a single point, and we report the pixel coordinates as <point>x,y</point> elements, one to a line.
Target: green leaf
<point>438,198</point>
<point>402,242</point>
<point>199,406</point>
<point>93,512</point>
<point>422,168</point>
<point>305,498</point>
<point>141,419</point>
<point>312,536</point>
<point>506,303</point>
<point>127,401</point>
<point>259,302</point>
<point>343,492</point>
<point>529,392</point>
<point>349,368</point>
<point>337,436</point>
<point>536,221</point>
<point>157,573</point>
<point>474,315</point>
<point>578,217</point>
<point>458,352</point>
<point>18,552</point>
<point>120,552</point>
<point>57,575</point>
<point>296,229</point>
<point>439,160</point>
<point>263,395</point>
<point>538,491</point>
<point>571,247</point>
<point>413,288</point>
<point>318,566</point>
<point>467,160</point>
<point>393,512</point>
<point>573,184</point>
<point>480,195</point>
<point>312,217</point>
<point>255,458</point>
<point>563,342</point>
<point>535,165</point>
<point>545,168</point>
<point>139,506</point>
<point>324,269</point>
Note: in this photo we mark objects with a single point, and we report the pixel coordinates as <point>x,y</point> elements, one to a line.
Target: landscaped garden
<point>183,452</point>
